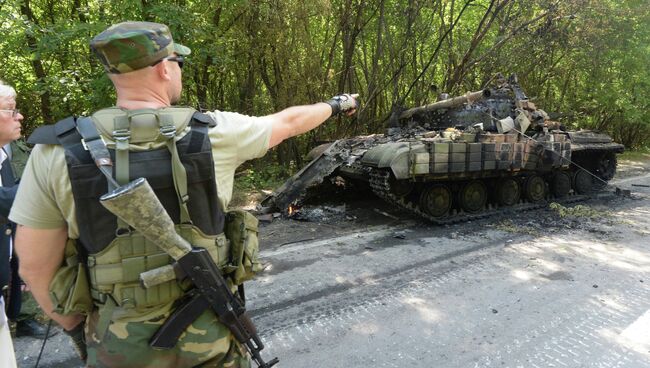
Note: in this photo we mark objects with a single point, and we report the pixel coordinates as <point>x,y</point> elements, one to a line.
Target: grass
<point>578,211</point>
<point>510,227</point>
<point>642,154</point>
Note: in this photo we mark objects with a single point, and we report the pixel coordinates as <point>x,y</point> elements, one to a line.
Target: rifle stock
<point>137,205</point>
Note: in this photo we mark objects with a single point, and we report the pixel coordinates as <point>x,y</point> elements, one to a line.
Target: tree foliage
<point>585,60</point>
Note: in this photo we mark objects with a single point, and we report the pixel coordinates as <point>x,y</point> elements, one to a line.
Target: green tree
<point>584,61</point>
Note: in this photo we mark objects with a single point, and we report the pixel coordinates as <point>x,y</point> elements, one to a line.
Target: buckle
<point>91,262</point>
<point>121,135</point>
<point>85,145</point>
<point>168,131</point>
<point>122,232</point>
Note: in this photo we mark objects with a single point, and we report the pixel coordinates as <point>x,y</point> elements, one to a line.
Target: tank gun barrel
<point>448,103</point>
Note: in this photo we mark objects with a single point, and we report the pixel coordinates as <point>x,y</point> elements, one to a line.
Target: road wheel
<point>535,188</point>
<point>508,192</point>
<point>400,188</point>
<point>561,184</point>
<point>582,182</point>
<point>436,200</point>
<point>606,167</point>
<point>473,196</point>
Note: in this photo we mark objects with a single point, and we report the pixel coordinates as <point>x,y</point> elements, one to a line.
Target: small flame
<point>291,210</point>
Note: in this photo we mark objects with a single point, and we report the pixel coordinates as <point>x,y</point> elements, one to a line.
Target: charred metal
<point>464,157</point>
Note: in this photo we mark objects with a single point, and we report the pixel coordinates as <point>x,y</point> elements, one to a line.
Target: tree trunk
<point>483,27</point>
<point>37,65</point>
<point>370,108</point>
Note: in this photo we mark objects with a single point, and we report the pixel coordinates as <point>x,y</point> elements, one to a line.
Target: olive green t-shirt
<point>44,199</point>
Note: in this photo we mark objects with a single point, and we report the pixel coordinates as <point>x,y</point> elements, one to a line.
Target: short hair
<point>7,90</point>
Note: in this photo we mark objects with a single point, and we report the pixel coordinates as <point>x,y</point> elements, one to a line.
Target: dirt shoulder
<point>632,164</point>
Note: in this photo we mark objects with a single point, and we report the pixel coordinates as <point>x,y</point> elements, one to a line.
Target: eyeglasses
<point>180,59</point>
<point>13,112</point>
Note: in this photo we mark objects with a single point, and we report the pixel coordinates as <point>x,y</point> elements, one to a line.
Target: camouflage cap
<point>130,46</point>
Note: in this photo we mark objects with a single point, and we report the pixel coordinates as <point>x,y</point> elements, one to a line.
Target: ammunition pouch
<point>115,271</point>
<point>241,228</point>
<point>69,289</point>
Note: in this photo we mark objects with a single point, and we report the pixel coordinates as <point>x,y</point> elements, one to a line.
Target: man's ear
<point>162,70</point>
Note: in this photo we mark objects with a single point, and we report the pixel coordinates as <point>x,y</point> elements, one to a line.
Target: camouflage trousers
<point>125,343</point>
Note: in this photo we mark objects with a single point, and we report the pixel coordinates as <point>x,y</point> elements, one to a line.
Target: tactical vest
<point>182,176</point>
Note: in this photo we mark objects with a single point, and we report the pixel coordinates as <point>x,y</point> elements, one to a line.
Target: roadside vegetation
<point>252,183</point>
<point>583,61</point>
<point>641,154</point>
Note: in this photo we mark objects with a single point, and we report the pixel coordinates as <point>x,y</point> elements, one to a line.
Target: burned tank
<point>463,158</point>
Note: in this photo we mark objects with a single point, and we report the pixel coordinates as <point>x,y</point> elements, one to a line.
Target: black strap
<point>63,132</point>
<point>204,119</point>
<point>97,148</point>
<point>197,137</point>
<point>199,129</point>
<point>64,126</point>
<point>66,132</point>
<point>87,129</point>
<point>43,135</point>
<point>71,132</point>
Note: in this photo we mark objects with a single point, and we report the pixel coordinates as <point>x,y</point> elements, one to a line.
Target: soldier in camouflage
<point>58,216</point>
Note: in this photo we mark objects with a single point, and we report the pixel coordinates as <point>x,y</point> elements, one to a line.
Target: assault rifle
<point>138,206</point>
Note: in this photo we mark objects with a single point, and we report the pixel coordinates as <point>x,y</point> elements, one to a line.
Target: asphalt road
<point>471,295</point>
<point>531,292</point>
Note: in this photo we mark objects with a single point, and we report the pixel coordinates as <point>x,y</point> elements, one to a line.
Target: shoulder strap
<point>199,129</point>
<point>66,132</point>
<point>63,132</point>
<point>202,118</point>
<point>43,135</point>
<point>97,148</point>
<point>71,131</point>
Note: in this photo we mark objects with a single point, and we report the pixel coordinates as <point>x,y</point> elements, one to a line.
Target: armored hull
<point>466,157</point>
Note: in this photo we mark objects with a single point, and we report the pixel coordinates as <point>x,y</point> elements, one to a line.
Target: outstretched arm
<point>38,263</point>
<point>296,120</point>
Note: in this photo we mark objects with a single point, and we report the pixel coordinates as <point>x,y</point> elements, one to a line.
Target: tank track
<point>379,182</point>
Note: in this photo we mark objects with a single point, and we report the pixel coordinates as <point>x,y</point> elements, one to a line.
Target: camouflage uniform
<point>123,48</point>
<point>19,155</point>
<point>123,341</point>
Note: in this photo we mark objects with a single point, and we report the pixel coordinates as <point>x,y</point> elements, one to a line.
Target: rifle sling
<point>97,149</point>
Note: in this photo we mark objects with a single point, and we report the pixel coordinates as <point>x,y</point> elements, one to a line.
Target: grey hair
<point>7,90</point>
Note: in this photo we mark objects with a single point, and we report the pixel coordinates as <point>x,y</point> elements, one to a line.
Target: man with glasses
<point>21,308</point>
<point>10,127</point>
<point>190,160</point>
